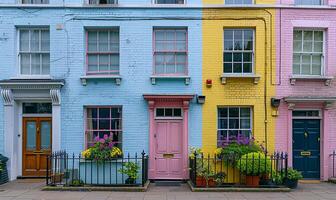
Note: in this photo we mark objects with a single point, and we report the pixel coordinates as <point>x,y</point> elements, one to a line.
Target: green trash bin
<point>4,171</point>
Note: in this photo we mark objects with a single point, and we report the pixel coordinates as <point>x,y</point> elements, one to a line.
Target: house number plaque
<point>305,153</point>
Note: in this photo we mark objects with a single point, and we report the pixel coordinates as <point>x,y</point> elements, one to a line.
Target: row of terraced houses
<point>164,75</point>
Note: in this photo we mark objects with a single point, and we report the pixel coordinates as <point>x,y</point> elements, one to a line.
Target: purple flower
<point>102,141</point>
<point>106,137</point>
<point>96,139</point>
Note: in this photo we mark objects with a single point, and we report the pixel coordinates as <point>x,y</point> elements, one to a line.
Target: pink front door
<point>168,149</point>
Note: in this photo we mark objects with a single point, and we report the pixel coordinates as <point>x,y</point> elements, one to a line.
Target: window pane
<point>305,69</point>
<point>92,41</point>
<point>169,1</point>
<point>160,112</point>
<point>103,40</point>
<point>45,135</point>
<point>296,59</point>
<point>247,57</point>
<point>307,35</point>
<point>177,112</point>
<point>308,2</point>
<point>31,135</point>
<point>168,112</point>
<point>104,63</point>
<point>223,112</point>
<point>237,57</point>
<point>104,124</point>
<point>307,46</point>
<point>237,67</point>
<point>296,69</point>
<point>233,112</point>
<point>297,35</point>
<point>104,112</point>
<point>227,67</point>
<point>228,44</point>
<point>233,123</point>
<point>227,57</point>
<point>34,40</point>
<point>45,44</point>
<point>25,64</point>
<point>93,63</point>
<point>245,123</point>
<point>318,36</point>
<point>223,123</point>
<point>114,41</point>
<point>247,68</point>
<point>114,62</point>
<point>245,112</point>
<point>181,46</point>
<point>24,40</point>
<point>45,64</point>
<point>297,46</point>
<point>181,58</point>
<point>181,35</point>
<point>35,64</point>
<point>228,34</point>
<point>318,46</point>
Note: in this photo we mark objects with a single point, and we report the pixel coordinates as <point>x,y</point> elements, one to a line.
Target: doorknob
<point>305,134</point>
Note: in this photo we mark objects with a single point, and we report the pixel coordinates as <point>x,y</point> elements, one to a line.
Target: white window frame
<point>253,2</point>
<point>322,57</point>
<point>87,2</point>
<point>164,117</point>
<point>239,118</point>
<point>33,76</point>
<point>242,51</point>
<point>307,117</point>
<point>21,2</point>
<point>155,2</point>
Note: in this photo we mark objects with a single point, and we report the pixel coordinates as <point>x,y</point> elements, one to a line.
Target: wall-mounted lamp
<point>200,99</point>
<point>275,102</point>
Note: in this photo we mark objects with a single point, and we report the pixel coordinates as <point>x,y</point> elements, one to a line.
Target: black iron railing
<point>333,164</point>
<point>223,171</point>
<point>65,169</point>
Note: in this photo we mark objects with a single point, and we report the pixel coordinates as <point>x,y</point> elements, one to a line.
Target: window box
<point>116,78</point>
<point>185,78</point>
<point>327,79</point>
<point>255,77</point>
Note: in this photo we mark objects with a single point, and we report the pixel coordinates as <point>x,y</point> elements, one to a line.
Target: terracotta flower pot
<point>201,182</point>
<point>252,181</point>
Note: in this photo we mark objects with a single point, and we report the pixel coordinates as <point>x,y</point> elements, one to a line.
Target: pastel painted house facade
<point>71,72</point>
<point>238,73</point>
<point>305,127</point>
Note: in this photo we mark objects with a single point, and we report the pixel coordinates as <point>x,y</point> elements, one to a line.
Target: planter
<point>252,181</point>
<point>130,181</point>
<point>201,182</point>
<point>292,184</point>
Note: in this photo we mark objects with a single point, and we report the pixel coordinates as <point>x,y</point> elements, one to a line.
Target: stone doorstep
<point>332,180</point>
<point>97,188</point>
<point>238,189</point>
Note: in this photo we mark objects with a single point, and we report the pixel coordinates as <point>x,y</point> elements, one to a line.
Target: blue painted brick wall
<point>68,62</point>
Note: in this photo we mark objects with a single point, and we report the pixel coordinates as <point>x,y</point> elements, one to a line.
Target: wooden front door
<point>168,151</point>
<point>306,147</point>
<point>36,145</point>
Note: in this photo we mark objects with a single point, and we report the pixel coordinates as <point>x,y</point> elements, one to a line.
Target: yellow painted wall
<point>256,1</point>
<point>238,91</point>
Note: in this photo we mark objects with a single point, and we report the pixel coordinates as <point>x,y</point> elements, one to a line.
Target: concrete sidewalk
<point>30,190</point>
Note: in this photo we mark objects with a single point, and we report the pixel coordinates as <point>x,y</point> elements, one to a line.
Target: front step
<point>167,183</point>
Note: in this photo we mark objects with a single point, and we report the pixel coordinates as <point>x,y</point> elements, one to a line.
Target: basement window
<point>103,2</point>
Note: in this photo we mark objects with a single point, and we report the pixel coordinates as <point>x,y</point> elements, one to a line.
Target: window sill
<point>255,77</point>
<point>84,79</point>
<point>155,77</point>
<point>32,77</point>
<point>327,79</point>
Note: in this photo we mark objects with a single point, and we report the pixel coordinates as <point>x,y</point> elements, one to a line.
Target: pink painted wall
<point>291,2</point>
<point>287,19</point>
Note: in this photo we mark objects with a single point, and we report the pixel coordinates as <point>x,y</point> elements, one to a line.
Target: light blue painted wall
<point>81,2</point>
<point>68,62</point>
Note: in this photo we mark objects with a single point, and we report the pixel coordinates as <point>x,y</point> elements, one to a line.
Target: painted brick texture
<point>304,18</point>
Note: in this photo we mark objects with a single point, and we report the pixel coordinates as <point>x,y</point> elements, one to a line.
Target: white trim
<point>36,115</point>
<point>307,117</point>
<point>172,117</point>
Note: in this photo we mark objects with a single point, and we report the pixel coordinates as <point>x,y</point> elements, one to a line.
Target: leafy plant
<point>219,178</point>
<point>254,164</point>
<point>103,149</point>
<point>77,182</point>
<point>294,175</point>
<point>204,168</point>
<point>131,169</point>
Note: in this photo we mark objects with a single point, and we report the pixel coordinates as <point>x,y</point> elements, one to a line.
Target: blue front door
<point>306,147</point>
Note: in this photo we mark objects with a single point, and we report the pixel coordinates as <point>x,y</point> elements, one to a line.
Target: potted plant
<point>131,169</point>
<point>254,165</point>
<point>293,176</point>
<point>219,178</point>
<point>204,172</point>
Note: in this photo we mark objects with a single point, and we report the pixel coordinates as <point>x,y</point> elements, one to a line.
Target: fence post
<point>334,154</point>
<point>143,167</point>
<point>195,168</point>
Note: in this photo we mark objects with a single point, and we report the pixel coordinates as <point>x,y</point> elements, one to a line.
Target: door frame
<point>321,117</point>
<point>45,117</point>
<point>175,101</point>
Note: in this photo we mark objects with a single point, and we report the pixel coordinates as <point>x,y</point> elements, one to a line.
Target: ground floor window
<point>101,121</point>
<point>233,122</point>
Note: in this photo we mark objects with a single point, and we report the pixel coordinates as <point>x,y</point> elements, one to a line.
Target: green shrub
<point>254,164</point>
<point>131,169</point>
<point>294,174</point>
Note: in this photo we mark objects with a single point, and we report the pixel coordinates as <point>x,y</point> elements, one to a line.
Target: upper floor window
<point>102,122</point>
<point>101,2</point>
<point>34,51</point>
<point>103,51</point>
<point>170,51</point>
<point>238,51</point>
<point>169,1</point>
<point>35,1</point>
<point>238,1</point>
<point>308,52</point>
<point>233,122</point>
<point>308,2</point>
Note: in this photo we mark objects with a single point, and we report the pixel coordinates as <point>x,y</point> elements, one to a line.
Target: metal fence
<point>333,163</point>
<point>74,170</point>
<point>222,170</point>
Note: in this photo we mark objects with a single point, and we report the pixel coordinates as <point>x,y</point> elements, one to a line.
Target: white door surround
<point>14,93</point>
